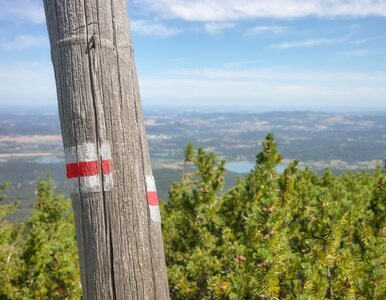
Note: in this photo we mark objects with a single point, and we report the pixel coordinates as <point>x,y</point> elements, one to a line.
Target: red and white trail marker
<point>107,167</point>
<point>152,199</point>
<point>82,166</point>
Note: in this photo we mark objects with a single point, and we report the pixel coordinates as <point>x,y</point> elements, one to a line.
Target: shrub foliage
<point>289,235</point>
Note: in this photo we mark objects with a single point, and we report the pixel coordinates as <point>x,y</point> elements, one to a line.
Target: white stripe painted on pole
<point>155,214</point>
<point>87,152</point>
<point>150,184</point>
<point>108,182</point>
<point>89,184</point>
<point>105,151</point>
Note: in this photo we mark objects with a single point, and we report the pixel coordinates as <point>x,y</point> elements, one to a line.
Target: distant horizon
<point>51,108</point>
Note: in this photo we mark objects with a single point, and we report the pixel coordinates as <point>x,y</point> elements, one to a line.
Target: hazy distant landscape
<point>30,143</point>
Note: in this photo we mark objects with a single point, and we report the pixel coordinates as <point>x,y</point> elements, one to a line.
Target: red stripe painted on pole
<point>72,170</point>
<point>82,169</point>
<point>152,198</point>
<point>107,166</point>
<point>89,168</point>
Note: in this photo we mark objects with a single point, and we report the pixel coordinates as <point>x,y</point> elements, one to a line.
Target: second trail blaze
<point>152,199</point>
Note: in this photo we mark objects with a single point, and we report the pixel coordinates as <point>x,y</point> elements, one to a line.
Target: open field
<point>31,139</point>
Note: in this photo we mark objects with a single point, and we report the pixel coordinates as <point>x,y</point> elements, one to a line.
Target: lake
<point>246,166</point>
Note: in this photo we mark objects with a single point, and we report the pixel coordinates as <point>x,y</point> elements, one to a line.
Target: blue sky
<point>276,54</point>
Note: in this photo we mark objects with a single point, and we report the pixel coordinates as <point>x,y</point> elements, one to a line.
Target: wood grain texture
<point>120,249</point>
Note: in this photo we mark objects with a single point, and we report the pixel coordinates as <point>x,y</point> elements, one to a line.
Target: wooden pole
<point>107,158</point>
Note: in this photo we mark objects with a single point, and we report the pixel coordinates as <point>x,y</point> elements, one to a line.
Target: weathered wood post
<point>107,158</point>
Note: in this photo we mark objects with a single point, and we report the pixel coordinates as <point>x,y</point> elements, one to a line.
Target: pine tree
<point>49,266</point>
<point>9,240</point>
<point>194,228</point>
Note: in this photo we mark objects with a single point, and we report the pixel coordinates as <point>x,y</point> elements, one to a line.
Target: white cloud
<point>22,42</point>
<point>218,27</point>
<point>309,43</point>
<point>356,53</point>
<point>259,30</point>
<point>22,10</point>
<point>153,28</point>
<point>362,41</point>
<point>313,42</point>
<point>231,10</point>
